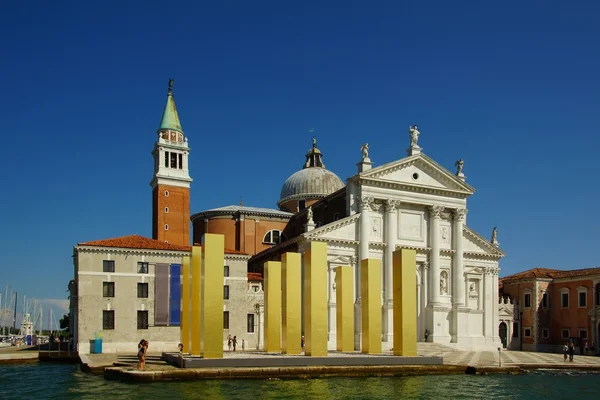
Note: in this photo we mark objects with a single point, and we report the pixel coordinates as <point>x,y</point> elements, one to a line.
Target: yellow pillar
<point>344,308</point>
<point>213,260</point>
<point>291,303</point>
<point>272,271</point>
<point>315,300</point>
<point>185,304</point>
<point>370,285</point>
<point>405,302</point>
<point>196,295</point>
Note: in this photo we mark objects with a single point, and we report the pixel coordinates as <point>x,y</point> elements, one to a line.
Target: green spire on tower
<point>170,119</point>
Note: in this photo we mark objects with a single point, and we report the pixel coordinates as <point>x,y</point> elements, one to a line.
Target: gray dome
<point>310,183</point>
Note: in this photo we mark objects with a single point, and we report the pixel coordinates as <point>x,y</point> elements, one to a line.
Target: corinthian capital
<point>435,211</point>
<point>391,205</point>
<point>459,214</point>
<point>365,202</point>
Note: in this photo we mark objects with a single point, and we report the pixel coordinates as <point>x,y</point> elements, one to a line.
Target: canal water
<point>59,381</point>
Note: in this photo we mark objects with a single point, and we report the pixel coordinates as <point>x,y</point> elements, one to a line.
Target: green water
<point>56,381</point>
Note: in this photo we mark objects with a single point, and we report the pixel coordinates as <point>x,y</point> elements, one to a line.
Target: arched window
<point>273,237</point>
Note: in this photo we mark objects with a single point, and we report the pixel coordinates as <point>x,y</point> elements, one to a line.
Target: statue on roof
<point>171,81</point>
<point>495,237</point>
<point>414,135</point>
<point>365,151</point>
<point>459,166</point>
<point>309,217</point>
<point>314,141</point>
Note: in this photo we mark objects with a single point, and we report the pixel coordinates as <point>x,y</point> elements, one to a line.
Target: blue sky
<point>511,87</point>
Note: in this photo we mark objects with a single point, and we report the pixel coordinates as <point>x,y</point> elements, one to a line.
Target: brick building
<point>553,307</point>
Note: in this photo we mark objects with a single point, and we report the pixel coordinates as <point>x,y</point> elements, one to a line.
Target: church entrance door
<point>502,330</point>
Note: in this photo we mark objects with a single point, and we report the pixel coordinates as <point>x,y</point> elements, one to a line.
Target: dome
<point>312,182</point>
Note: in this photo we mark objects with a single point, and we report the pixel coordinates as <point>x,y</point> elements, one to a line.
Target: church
<point>413,203</point>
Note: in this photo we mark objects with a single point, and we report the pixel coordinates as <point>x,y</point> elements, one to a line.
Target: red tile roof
<point>546,273</point>
<point>141,242</point>
<point>254,276</point>
<point>135,242</point>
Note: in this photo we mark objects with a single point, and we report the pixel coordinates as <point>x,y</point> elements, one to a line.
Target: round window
<point>415,176</point>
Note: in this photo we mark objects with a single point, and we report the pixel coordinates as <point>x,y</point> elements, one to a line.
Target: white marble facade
<point>416,203</point>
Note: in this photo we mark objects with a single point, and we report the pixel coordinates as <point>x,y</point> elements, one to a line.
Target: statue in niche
<point>459,166</point>
<point>365,151</point>
<point>414,135</point>
<point>472,288</point>
<point>444,282</point>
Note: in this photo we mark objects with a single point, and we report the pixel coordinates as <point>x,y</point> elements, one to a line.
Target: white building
<point>410,203</point>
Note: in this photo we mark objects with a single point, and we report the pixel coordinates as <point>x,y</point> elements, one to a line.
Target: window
<point>225,319</point>
<point>583,333</point>
<point>565,333</point>
<point>545,333</point>
<point>166,227</point>
<point>142,319</point>
<point>108,289</point>
<point>180,161</point>
<point>527,300</point>
<point>545,300</point>
<point>515,329</point>
<point>166,210</point>
<point>142,267</point>
<point>226,292</point>
<point>142,290</point>
<point>250,323</point>
<point>527,332</point>
<point>108,319</point>
<point>582,296</point>
<point>301,205</point>
<point>166,159</point>
<point>273,237</point>
<point>166,193</point>
<point>173,160</point>
<point>108,266</point>
<point>226,271</point>
<point>598,294</point>
<point>564,300</point>
<point>255,288</point>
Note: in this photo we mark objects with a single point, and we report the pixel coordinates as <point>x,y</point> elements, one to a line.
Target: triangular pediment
<point>344,230</point>
<point>418,171</point>
<point>476,244</point>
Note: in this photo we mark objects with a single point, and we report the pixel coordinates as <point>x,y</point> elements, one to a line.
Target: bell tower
<point>171,181</point>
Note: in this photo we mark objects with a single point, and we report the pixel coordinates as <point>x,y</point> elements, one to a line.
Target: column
<point>185,304</point>
<point>196,301</point>
<point>212,295</point>
<point>315,297</point>
<point>424,297</point>
<point>488,304</point>
<point>405,307</point>
<point>291,338</point>
<point>495,317</point>
<point>272,306</point>
<point>435,215</point>
<point>363,253</point>
<point>458,294</point>
<point>371,305</point>
<point>331,306</point>
<point>391,227</point>
<point>344,309</point>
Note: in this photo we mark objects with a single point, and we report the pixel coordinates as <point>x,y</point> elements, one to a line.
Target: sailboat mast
<point>15,314</point>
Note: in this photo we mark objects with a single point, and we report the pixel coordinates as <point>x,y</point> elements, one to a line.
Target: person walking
<point>142,350</point>
<point>234,342</point>
<point>229,342</point>
<point>571,351</point>
<point>243,345</point>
